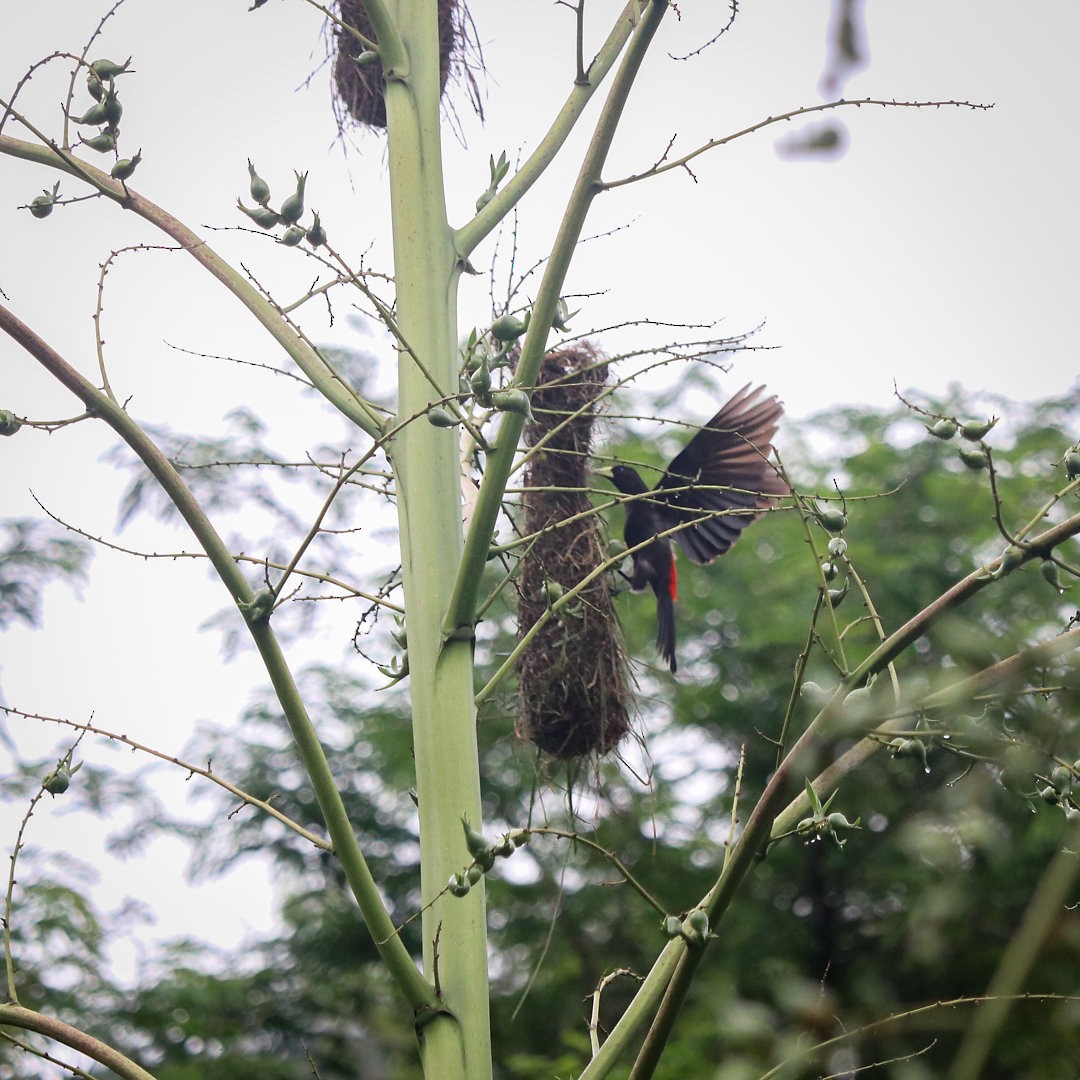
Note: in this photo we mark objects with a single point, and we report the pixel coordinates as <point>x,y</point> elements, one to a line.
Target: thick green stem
<point>456,1044</point>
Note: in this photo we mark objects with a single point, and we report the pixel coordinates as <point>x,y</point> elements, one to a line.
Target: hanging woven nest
<point>572,676</point>
<point>358,90</point>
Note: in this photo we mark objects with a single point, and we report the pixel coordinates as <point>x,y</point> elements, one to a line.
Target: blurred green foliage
<point>822,940</point>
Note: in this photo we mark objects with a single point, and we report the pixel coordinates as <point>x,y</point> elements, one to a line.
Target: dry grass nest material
<point>358,91</point>
<point>572,676</point>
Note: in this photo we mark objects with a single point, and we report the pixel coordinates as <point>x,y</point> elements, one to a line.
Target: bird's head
<point>624,478</point>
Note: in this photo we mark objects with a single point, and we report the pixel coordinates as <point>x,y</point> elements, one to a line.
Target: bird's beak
<point>605,472</point>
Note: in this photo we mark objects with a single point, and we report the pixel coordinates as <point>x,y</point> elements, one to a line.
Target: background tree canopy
<point>915,906</point>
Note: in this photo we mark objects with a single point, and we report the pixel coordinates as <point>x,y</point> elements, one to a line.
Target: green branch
<point>419,994</point>
<point>461,612</point>
<point>28,1020</point>
<point>341,396</point>
<point>470,235</point>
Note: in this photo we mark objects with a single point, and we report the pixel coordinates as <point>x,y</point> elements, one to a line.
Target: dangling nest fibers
<point>358,91</point>
<point>572,676</point>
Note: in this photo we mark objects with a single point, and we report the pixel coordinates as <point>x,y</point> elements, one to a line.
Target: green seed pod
<point>1049,795</point>
<point>698,922</point>
<point>520,837</point>
<point>112,108</point>
<point>911,748</point>
<point>813,692</point>
<point>974,430</point>
<point>832,519</point>
<point>973,458</point>
<point>515,401</point>
<point>458,885</point>
<point>9,422</point>
<point>837,546</point>
<point>368,56</point>
<point>259,188</point>
<point>107,69</point>
<point>126,166</point>
<point>562,317</point>
<point>943,429</point>
<point>292,209</point>
<point>828,570</point>
<point>480,381</point>
<point>836,596</point>
<point>508,328</point>
<point>807,825</point>
<point>263,216</point>
<point>102,143</point>
<point>95,115</point>
<point>94,87</point>
<point>316,235</point>
<point>57,781</point>
<point>441,417</point>
<point>1062,779</point>
<point>1049,571</point>
<point>292,236</point>
<point>476,843</point>
<point>41,206</point>
<point>484,199</point>
<point>1072,464</point>
<point>473,874</point>
<point>839,823</point>
<point>505,847</point>
<point>673,926</point>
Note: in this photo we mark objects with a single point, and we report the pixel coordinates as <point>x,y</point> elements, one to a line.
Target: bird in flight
<point>714,487</point>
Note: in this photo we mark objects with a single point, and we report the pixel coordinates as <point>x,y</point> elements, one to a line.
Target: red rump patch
<point>673,584</point>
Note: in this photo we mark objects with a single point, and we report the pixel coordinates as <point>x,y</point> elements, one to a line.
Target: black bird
<point>714,487</point>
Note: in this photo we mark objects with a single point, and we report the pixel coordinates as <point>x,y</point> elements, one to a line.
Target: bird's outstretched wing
<point>724,467</point>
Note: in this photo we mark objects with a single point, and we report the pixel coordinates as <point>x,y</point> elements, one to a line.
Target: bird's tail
<point>665,625</point>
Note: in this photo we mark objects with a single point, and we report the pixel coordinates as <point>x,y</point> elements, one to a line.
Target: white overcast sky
<point>941,247</point>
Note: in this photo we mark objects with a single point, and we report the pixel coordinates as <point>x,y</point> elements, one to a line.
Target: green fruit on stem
<point>108,69</point>
<point>1051,574</point>
<point>126,166</point>
<point>259,188</point>
<point>832,519</point>
<point>102,143</point>
<point>292,236</point>
<point>943,429</point>
<point>263,216</point>
<point>974,459</point>
<point>508,328</point>
<point>41,206</point>
<point>514,401</point>
<point>974,430</point>
<point>9,422</point>
<point>316,235</point>
<point>441,417</point>
<point>292,209</point>
<point>95,115</point>
<point>112,108</point>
